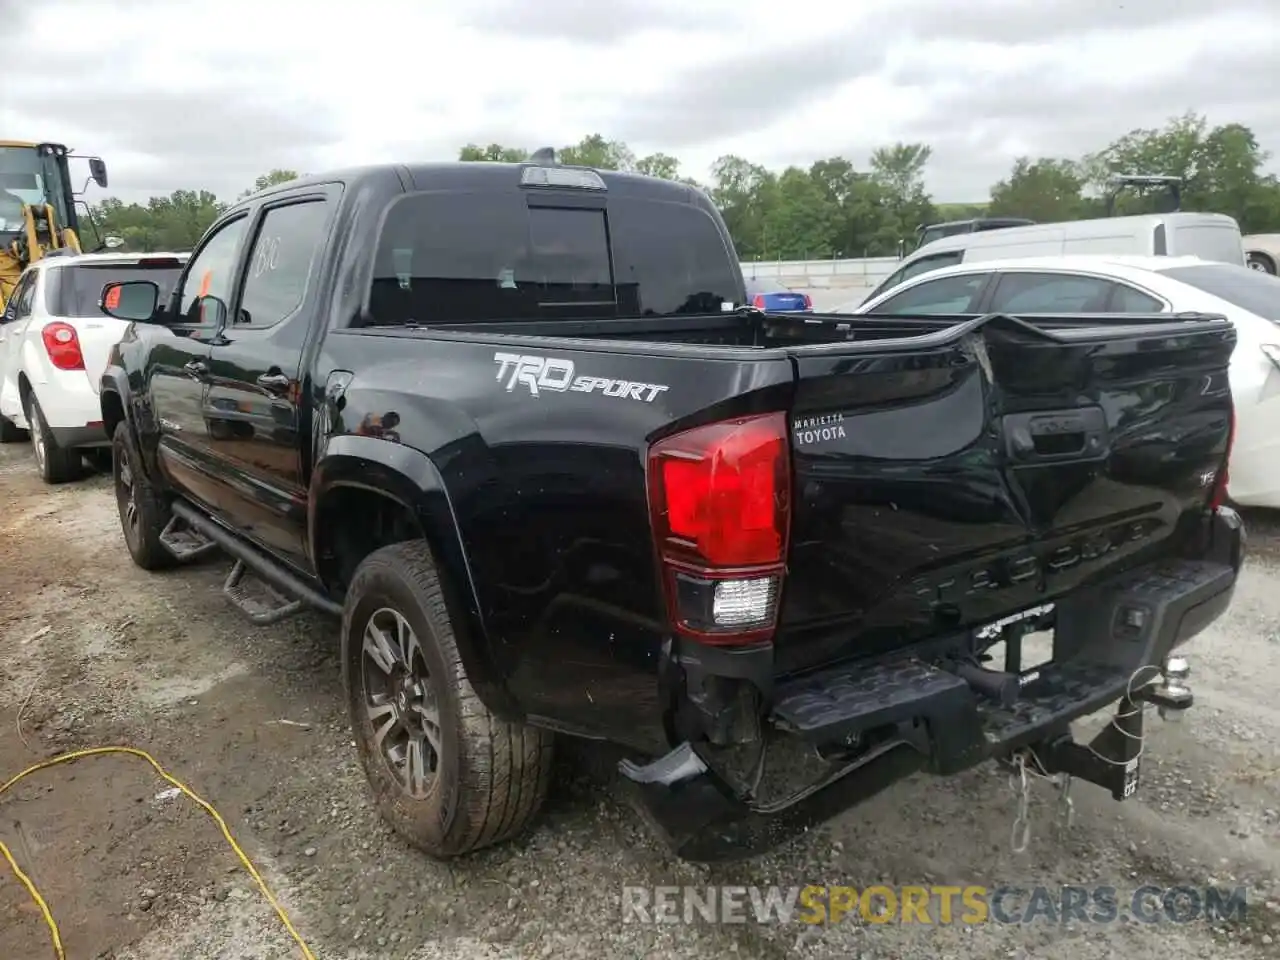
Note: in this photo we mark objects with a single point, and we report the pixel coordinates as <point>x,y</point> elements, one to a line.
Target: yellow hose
<point>188,792</point>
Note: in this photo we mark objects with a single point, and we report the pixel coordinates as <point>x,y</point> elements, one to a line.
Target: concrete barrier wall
<point>810,274</point>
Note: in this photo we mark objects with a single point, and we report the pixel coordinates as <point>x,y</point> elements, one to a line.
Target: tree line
<point>833,209</point>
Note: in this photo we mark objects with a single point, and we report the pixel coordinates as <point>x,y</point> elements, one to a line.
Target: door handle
<point>274,382</point>
<point>195,368</point>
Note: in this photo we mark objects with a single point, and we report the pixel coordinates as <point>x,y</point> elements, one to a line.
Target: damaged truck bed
<point>557,480</point>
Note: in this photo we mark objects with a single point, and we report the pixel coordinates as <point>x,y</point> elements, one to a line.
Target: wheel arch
<point>1268,256</point>
<point>367,493</point>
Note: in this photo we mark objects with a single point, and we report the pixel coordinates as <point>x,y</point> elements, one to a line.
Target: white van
<point>1209,236</point>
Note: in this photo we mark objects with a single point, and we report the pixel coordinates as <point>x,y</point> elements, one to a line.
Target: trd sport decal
<point>556,375</point>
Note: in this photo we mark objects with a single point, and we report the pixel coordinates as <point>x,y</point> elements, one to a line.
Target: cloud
<point>570,20</point>
<point>744,93</point>
<point>210,95</point>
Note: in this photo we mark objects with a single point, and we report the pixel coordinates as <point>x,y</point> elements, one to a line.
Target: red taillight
<point>758,301</point>
<point>808,302</point>
<point>1218,497</point>
<point>720,497</point>
<point>63,346</point>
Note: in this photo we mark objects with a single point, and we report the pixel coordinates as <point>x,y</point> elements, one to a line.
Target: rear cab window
<point>458,257</point>
<point>76,289</point>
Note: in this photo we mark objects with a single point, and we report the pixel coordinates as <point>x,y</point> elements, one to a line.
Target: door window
<point>941,296</point>
<point>280,262</point>
<point>1050,293</point>
<point>211,272</point>
<point>915,268</point>
<point>23,296</point>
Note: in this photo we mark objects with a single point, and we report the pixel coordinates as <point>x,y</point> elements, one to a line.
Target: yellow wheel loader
<point>38,216</point>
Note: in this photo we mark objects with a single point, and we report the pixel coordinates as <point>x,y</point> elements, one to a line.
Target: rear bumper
<point>1109,644</point>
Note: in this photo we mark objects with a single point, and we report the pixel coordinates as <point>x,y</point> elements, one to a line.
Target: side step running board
<point>262,610</point>
<point>282,585</point>
<point>184,541</point>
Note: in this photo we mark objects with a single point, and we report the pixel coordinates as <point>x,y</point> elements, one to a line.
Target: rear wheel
<point>56,465</point>
<point>143,512</point>
<point>446,774</point>
<point>1262,263</point>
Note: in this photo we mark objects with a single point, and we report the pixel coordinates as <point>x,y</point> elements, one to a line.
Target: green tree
<point>1221,168</point>
<point>899,173</point>
<point>1045,190</point>
<point>833,208</point>
<point>493,152</point>
<point>271,179</point>
<point>659,165</point>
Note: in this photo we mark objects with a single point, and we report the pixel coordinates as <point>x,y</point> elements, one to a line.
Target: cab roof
<point>491,175</point>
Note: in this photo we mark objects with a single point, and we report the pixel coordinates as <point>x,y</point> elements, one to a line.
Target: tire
<point>9,433</point>
<point>491,775</point>
<point>1262,263</point>
<point>143,512</point>
<point>55,464</point>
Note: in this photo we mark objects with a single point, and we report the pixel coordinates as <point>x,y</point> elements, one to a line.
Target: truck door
<point>255,378</point>
<point>177,367</point>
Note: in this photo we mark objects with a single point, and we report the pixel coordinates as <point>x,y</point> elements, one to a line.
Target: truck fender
<point>409,477</point>
<point>113,400</point>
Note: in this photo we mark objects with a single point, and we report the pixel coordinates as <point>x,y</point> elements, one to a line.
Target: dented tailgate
<point>943,485</point>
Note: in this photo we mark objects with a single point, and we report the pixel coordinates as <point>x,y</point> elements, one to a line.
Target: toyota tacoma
<point>519,428</point>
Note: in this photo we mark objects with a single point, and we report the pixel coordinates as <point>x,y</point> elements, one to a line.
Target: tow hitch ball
<point>1171,696</point>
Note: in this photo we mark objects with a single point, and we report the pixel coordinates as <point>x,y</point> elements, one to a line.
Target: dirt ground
<point>94,651</point>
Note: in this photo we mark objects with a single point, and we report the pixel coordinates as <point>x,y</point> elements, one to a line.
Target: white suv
<point>54,344</point>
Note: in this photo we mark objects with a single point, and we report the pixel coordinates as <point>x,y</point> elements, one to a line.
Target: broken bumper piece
<point>702,819</point>
<point>1112,645</point>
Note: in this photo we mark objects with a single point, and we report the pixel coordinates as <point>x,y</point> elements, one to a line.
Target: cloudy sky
<point>188,93</point>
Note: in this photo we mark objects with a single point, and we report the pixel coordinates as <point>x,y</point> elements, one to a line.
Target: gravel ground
<point>94,651</point>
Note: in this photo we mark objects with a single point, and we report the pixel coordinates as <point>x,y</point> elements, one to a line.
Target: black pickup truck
<point>514,424</point>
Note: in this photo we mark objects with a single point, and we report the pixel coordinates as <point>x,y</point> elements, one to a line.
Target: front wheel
<point>446,774</point>
<point>143,512</point>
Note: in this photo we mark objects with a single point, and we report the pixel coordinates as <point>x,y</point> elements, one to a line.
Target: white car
<point>1263,252</point>
<point>1119,285</point>
<point>54,344</point>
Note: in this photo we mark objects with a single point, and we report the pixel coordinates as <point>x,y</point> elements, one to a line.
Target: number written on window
<point>280,263</point>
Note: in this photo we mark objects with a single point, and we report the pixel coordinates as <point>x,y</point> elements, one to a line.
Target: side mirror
<point>212,311</point>
<point>98,170</point>
<point>111,242</point>
<point>131,300</point>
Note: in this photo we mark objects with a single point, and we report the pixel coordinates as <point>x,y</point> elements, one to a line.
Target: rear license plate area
<point>1021,643</point>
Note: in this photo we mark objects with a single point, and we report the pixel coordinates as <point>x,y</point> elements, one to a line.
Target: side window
<point>941,296</point>
<point>210,272</point>
<point>1126,299</point>
<point>19,304</point>
<point>280,262</point>
<point>27,301</point>
<point>935,262</point>
<point>914,269</point>
<point>1050,293</point>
